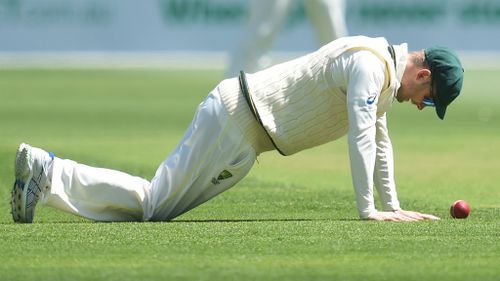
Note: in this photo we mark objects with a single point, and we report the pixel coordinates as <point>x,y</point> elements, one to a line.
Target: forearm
<point>362,159</point>
<point>384,168</point>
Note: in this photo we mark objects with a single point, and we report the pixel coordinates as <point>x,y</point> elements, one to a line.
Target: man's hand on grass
<point>401,215</point>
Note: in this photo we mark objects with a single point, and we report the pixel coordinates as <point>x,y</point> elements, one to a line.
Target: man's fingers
<point>401,215</point>
<point>407,218</point>
<point>421,216</point>
<point>413,215</point>
<point>430,217</point>
<point>417,215</point>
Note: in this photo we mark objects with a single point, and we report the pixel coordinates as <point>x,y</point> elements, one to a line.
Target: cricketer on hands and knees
<point>345,87</point>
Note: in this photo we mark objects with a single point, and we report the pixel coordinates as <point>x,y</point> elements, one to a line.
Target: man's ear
<point>424,74</point>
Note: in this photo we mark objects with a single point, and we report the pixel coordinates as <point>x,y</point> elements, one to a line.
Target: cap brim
<point>440,112</point>
<point>440,109</point>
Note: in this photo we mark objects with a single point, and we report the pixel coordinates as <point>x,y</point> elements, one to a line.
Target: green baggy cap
<point>447,76</point>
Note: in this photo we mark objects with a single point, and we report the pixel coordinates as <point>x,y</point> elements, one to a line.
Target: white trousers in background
<point>212,156</point>
<point>266,20</point>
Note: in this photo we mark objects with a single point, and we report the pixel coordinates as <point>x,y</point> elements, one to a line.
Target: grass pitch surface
<point>292,218</point>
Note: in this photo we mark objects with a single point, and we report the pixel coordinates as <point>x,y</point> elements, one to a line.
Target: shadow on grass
<point>185,221</point>
<point>255,220</point>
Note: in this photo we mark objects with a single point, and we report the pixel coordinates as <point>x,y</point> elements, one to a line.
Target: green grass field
<point>292,218</point>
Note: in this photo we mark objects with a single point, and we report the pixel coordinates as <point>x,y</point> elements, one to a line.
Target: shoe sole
<point>24,175</point>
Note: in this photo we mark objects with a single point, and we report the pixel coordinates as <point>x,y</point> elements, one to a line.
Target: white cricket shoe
<point>32,181</point>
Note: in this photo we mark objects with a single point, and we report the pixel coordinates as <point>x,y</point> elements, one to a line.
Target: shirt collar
<point>401,60</point>
<point>401,55</point>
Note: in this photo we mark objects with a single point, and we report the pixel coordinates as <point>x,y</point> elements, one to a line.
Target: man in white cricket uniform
<point>345,87</point>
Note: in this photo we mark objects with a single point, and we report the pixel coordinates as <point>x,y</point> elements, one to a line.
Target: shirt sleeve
<point>384,167</point>
<point>366,75</point>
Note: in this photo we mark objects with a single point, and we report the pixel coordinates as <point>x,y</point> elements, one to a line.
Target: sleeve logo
<point>371,99</point>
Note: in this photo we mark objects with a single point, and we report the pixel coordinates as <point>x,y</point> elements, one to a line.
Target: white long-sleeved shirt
<point>345,87</point>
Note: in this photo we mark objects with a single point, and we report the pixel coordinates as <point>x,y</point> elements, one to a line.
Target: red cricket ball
<point>460,209</point>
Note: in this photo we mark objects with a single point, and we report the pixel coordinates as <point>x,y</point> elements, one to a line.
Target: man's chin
<point>399,98</point>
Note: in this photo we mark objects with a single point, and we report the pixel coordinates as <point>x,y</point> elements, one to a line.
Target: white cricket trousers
<point>212,156</point>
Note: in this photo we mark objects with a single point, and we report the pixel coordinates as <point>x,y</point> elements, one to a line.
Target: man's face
<point>418,97</point>
<point>417,90</point>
